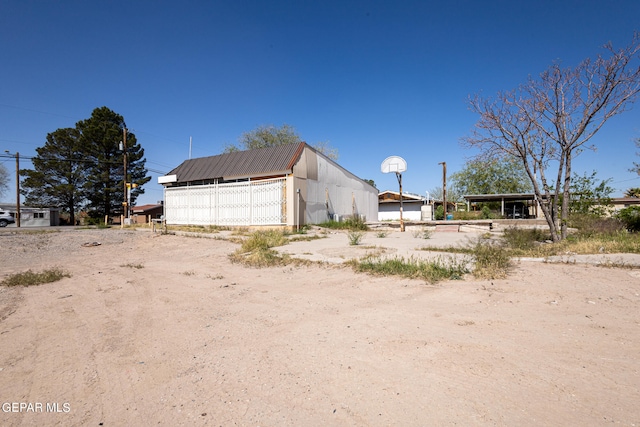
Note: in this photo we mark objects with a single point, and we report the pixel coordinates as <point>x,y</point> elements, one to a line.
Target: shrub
<point>438,215</point>
<point>630,217</point>
<point>486,213</point>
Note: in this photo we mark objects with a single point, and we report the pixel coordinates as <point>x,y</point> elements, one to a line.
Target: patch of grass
<point>256,250</point>
<point>132,265</point>
<point>188,273</point>
<point>263,239</point>
<point>382,234</point>
<point>40,231</point>
<point>305,238</point>
<point>198,228</point>
<point>524,238</point>
<point>431,271</point>
<point>355,237</point>
<point>491,260</point>
<point>30,278</point>
<point>349,223</point>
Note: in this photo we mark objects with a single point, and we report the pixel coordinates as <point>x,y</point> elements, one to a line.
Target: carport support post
<point>399,176</point>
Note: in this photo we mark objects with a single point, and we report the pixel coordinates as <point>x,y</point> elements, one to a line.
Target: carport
<point>528,199</point>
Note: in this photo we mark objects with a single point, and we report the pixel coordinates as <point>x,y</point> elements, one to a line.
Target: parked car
<point>6,218</point>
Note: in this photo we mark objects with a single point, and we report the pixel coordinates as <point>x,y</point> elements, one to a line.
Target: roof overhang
<point>167,179</point>
<point>499,197</point>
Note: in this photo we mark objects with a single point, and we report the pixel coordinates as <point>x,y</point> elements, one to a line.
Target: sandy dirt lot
<point>165,330</point>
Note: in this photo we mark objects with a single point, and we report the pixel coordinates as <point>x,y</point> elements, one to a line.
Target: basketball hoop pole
<point>399,176</point>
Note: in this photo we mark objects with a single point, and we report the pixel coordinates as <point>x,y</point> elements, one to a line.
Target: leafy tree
<point>370,182</point>
<point>492,176</point>
<point>588,196</point>
<point>59,175</point>
<point>4,180</point>
<point>271,136</point>
<point>83,167</point>
<point>100,136</point>
<point>551,119</point>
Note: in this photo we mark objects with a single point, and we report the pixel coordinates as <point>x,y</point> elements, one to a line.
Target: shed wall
<point>327,190</point>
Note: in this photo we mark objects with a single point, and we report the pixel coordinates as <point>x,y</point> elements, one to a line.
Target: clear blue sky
<point>372,78</point>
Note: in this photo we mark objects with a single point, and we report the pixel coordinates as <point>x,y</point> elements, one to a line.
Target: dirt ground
<point>164,330</point>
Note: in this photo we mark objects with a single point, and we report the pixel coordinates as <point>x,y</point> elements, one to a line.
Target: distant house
<point>287,185</point>
<point>33,217</point>
<point>620,203</point>
<point>414,207</point>
<point>143,214</point>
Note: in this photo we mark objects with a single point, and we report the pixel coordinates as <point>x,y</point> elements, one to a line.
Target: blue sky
<point>371,78</point>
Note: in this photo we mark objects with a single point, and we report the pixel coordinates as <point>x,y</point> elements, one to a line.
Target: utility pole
<point>444,187</point>
<point>124,160</point>
<point>17,189</point>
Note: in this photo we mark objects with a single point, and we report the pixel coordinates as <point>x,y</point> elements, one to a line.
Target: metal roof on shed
<point>261,161</point>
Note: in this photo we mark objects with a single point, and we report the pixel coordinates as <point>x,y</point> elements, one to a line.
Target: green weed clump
<point>491,260</point>
<point>524,239</point>
<point>30,278</point>
<point>256,250</point>
<point>349,223</point>
<point>431,271</point>
<point>355,237</point>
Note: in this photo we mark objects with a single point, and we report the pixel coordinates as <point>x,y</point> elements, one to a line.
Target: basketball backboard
<point>393,164</point>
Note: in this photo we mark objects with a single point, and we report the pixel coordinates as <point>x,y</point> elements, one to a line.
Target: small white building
<point>33,217</point>
<point>414,207</point>
<point>287,185</point>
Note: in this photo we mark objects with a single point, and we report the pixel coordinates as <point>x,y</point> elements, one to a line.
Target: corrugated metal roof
<point>261,161</point>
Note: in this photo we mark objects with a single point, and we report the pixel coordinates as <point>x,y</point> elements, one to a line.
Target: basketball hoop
<point>397,165</point>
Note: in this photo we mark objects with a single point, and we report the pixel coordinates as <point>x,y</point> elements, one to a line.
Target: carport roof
<point>240,164</point>
<point>499,197</point>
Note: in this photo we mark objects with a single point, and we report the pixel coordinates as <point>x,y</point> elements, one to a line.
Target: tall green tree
<point>101,136</point>
<point>271,136</point>
<point>504,175</point>
<point>59,176</point>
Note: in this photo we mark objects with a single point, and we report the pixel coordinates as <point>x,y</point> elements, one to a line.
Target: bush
<point>438,215</point>
<point>630,217</point>
<point>486,213</point>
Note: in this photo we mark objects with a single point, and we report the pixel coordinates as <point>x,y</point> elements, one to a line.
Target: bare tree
<point>549,120</point>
